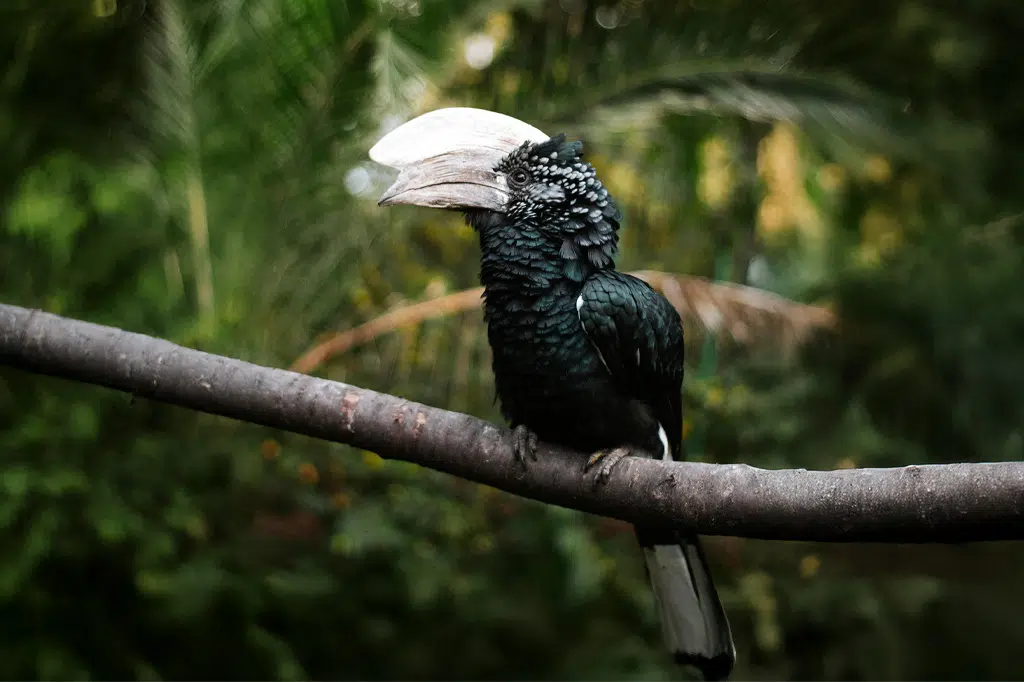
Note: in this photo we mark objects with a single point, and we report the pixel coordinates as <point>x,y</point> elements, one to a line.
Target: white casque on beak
<point>446,158</point>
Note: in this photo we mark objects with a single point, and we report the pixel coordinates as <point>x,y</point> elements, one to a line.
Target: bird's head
<point>483,162</point>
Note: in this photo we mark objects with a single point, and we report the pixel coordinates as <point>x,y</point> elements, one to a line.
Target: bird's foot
<point>608,459</point>
<point>524,444</point>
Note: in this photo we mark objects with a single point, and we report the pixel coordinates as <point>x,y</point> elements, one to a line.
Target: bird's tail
<point>693,621</point>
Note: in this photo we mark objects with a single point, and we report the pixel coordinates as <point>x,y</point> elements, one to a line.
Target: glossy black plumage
<point>592,359</point>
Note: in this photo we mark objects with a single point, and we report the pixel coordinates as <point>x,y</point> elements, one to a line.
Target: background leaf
<point>831,190</point>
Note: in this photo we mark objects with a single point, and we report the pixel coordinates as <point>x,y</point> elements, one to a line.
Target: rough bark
<point>934,503</point>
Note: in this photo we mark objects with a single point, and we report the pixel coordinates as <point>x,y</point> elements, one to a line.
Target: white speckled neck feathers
<point>560,224</point>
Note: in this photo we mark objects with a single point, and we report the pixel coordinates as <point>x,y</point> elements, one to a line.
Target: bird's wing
<point>639,337</point>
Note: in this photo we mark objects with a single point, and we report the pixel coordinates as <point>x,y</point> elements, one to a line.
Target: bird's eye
<point>519,177</point>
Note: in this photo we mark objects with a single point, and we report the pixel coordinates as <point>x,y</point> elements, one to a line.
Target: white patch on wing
<point>579,307</point>
<point>666,454</point>
<point>637,357</point>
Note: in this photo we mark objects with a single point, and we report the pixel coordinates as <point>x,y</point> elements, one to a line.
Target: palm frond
<point>665,60</point>
<point>817,104</point>
<point>845,119</point>
<point>168,105</point>
<point>401,317</point>
<point>171,56</point>
<point>745,314</point>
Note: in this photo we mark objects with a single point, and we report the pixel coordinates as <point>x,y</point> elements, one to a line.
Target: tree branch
<point>935,503</point>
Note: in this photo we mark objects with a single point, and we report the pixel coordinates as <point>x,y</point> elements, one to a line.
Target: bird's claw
<point>524,444</point>
<point>608,460</point>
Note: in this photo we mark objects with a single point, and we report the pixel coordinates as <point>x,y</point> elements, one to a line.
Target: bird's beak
<point>447,158</point>
<point>461,178</point>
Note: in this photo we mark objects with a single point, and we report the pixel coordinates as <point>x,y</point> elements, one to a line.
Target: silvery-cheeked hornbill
<point>583,356</point>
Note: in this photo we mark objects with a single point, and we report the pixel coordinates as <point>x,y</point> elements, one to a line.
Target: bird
<point>583,355</point>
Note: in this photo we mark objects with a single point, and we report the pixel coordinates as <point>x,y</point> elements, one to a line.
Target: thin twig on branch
<point>935,503</point>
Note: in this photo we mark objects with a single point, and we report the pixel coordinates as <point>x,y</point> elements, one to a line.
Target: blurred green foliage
<point>197,171</point>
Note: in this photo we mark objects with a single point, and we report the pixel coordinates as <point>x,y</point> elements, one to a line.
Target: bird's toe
<point>594,459</point>
<point>524,444</point>
<point>608,459</point>
<point>531,445</point>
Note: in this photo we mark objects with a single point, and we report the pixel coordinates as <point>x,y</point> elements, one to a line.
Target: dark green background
<point>185,169</point>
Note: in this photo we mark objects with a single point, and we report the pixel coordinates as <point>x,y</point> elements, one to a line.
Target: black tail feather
<point>693,622</point>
